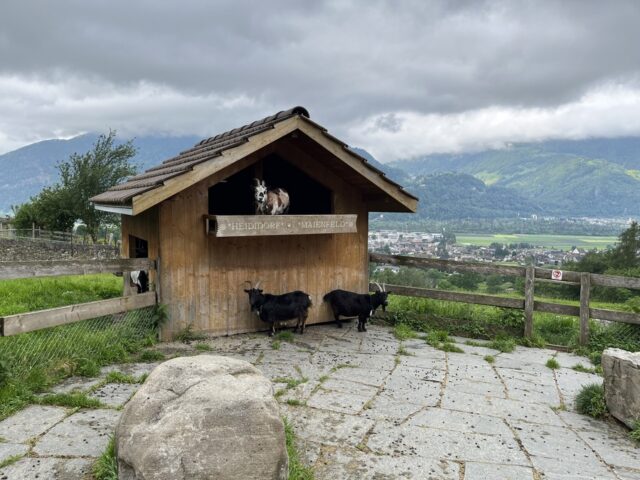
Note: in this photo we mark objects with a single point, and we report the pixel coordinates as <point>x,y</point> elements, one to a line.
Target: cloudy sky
<point>401,79</point>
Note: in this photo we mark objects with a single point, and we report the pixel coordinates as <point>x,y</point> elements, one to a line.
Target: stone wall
<point>15,250</point>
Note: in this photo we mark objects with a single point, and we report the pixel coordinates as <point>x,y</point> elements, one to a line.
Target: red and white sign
<point>556,275</point>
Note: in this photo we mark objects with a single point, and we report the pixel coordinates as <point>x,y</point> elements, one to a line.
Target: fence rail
<point>13,270</point>
<point>32,321</point>
<point>528,303</point>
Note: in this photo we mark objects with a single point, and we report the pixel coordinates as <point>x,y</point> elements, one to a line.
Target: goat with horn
<point>279,308</point>
<point>270,202</point>
<point>351,304</point>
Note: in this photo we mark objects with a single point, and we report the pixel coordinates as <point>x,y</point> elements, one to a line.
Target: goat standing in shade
<point>270,202</point>
<point>278,308</point>
<point>361,305</point>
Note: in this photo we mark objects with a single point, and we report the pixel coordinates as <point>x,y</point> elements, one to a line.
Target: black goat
<point>277,308</point>
<point>361,305</point>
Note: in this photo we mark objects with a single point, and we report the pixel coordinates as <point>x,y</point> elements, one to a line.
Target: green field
<point>563,242</point>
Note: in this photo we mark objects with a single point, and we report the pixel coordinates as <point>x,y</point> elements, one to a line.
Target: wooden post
<point>585,292</point>
<point>528,301</point>
<point>33,230</point>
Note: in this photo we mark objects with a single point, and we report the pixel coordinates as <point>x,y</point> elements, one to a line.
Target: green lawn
<point>563,242</point>
<point>29,294</point>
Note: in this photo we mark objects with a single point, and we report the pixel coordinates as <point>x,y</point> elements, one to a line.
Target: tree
<point>626,254</point>
<point>86,175</point>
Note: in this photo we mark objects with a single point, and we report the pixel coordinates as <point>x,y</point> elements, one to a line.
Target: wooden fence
<point>528,303</point>
<point>31,321</point>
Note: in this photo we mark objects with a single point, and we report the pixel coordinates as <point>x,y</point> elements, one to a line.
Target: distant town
<point>439,245</point>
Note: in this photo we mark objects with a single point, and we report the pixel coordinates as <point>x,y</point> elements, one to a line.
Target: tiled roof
<point>203,151</point>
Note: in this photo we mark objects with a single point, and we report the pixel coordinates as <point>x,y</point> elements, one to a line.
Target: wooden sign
<point>265,225</point>
<point>556,275</point>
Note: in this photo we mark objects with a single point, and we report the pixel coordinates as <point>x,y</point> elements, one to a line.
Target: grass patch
<point>473,343</point>
<point>285,336</point>
<point>323,378</point>
<point>290,382</point>
<point>71,400</point>
<point>187,335</point>
<point>294,402</point>
<point>203,347</point>
<point>119,377</point>
<point>504,345</point>
<point>30,294</point>
<point>297,470</point>
<point>489,358</point>
<point>437,336</point>
<point>403,331</point>
<point>578,367</point>
<point>634,434</point>
<point>450,347</point>
<point>553,364</point>
<point>106,467</point>
<point>341,366</point>
<point>404,351</point>
<point>276,344</point>
<point>151,356</point>
<point>11,460</point>
<point>590,401</point>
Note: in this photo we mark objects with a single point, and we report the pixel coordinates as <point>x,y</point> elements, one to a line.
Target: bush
<point>590,401</point>
<point>504,345</point>
<point>634,434</point>
<point>552,363</point>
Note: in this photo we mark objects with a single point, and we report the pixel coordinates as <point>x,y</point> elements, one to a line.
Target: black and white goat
<point>361,305</point>
<point>270,202</point>
<point>140,280</point>
<point>278,308</point>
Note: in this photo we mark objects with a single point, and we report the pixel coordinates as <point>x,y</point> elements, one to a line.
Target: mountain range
<point>592,177</point>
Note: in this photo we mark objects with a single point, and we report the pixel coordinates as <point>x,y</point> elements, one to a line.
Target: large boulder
<point>202,417</point>
<point>622,384</point>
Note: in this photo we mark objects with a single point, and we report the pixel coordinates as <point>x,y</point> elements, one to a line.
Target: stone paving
<point>366,406</point>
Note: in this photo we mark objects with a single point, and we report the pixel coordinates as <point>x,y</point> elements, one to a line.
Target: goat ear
<point>248,291</point>
<point>263,183</point>
<point>260,290</point>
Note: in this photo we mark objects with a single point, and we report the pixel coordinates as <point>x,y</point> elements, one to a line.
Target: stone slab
<point>490,471</point>
<point>47,469</point>
<point>8,450</point>
<point>502,408</point>
<point>329,428</point>
<point>351,464</point>
<point>133,369</point>
<point>366,376</point>
<point>615,449</point>
<point>407,440</point>
<point>443,419</point>
<point>384,407</point>
<point>77,384</point>
<point>31,422</point>
<point>115,394</point>
<point>85,433</point>
<point>338,401</point>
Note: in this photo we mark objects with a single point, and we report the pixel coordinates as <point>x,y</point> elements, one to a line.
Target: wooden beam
<point>53,317</point>
<point>491,300</point>
<point>615,316</point>
<point>447,265</point>
<point>200,172</point>
<point>615,281</point>
<point>356,164</point>
<point>11,270</point>
<point>585,292</point>
<point>557,308</point>
<point>528,301</point>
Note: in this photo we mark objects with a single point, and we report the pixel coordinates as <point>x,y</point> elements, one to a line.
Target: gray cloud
<point>196,67</point>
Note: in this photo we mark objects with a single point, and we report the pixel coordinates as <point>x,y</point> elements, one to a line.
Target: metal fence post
<point>585,293</point>
<point>528,301</point>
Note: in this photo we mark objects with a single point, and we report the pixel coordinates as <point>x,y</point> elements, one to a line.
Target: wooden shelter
<point>195,214</point>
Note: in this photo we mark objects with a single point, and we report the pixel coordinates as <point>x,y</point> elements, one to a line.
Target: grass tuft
<point>119,377</point>
<point>450,347</point>
<point>590,401</point>
<point>404,351</point>
<point>578,367</point>
<point>187,335</point>
<point>106,467</point>
<point>505,345</point>
<point>402,331</point>
<point>489,358</point>
<point>10,461</point>
<point>151,356</point>
<point>290,382</point>
<point>285,336</point>
<point>553,364</point>
<point>297,470</point>
<point>634,434</point>
<point>276,344</point>
<point>203,347</point>
<point>294,402</point>
<point>72,400</point>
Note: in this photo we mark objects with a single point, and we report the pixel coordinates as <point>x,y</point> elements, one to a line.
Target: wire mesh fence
<point>81,348</point>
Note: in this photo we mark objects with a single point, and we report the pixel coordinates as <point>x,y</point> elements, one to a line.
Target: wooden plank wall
<point>202,277</point>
